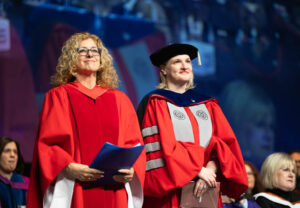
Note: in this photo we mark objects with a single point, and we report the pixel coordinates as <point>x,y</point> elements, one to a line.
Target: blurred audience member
<point>254,183</point>
<point>251,113</point>
<point>13,186</point>
<point>254,186</point>
<point>146,9</point>
<point>296,156</point>
<point>278,174</point>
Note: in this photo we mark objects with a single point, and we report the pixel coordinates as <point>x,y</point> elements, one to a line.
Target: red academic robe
<point>75,122</point>
<point>171,164</point>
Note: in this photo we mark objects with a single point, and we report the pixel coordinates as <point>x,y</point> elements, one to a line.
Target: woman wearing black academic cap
<point>186,135</point>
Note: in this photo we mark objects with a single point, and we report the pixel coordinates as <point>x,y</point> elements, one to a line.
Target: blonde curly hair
<point>66,69</point>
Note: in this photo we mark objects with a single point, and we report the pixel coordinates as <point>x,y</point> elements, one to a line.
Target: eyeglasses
<point>85,51</point>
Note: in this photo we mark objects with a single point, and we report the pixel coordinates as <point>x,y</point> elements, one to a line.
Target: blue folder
<point>111,158</point>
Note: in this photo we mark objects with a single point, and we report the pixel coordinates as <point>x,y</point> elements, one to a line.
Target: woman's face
<point>251,177</point>
<point>178,70</point>
<point>285,178</point>
<point>9,158</point>
<point>88,57</point>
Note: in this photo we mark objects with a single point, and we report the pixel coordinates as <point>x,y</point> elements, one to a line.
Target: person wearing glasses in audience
<point>13,186</point>
<point>278,175</point>
<point>78,116</point>
<point>186,135</point>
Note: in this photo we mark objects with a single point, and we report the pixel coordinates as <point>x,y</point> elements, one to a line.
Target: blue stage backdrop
<point>250,61</point>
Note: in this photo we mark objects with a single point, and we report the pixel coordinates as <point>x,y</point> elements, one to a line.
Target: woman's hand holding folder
<point>125,175</point>
<point>83,172</point>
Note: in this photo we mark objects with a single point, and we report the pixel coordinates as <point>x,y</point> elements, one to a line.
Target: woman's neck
<point>89,81</point>
<point>177,88</point>
<point>6,175</point>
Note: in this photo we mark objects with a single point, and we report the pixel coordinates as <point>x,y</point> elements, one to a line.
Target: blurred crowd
<point>275,185</point>
<point>243,21</point>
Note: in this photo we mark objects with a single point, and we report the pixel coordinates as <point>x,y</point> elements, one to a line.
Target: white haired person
<point>278,175</point>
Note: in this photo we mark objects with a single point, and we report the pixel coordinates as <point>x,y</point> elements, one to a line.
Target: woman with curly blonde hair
<point>78,116</point>
<point>67,69</point>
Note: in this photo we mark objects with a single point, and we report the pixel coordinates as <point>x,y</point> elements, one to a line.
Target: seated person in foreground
<point>13,186</point>
<point>278,175</point>
<point>246,200</point>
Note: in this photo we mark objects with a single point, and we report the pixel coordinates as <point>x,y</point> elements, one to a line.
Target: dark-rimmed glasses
<point>85,51</point>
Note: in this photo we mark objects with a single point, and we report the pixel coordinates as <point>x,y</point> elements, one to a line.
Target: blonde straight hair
<point>270,167</point>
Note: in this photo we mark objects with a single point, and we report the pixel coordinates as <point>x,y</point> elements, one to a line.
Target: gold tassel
<point>199,60</point>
